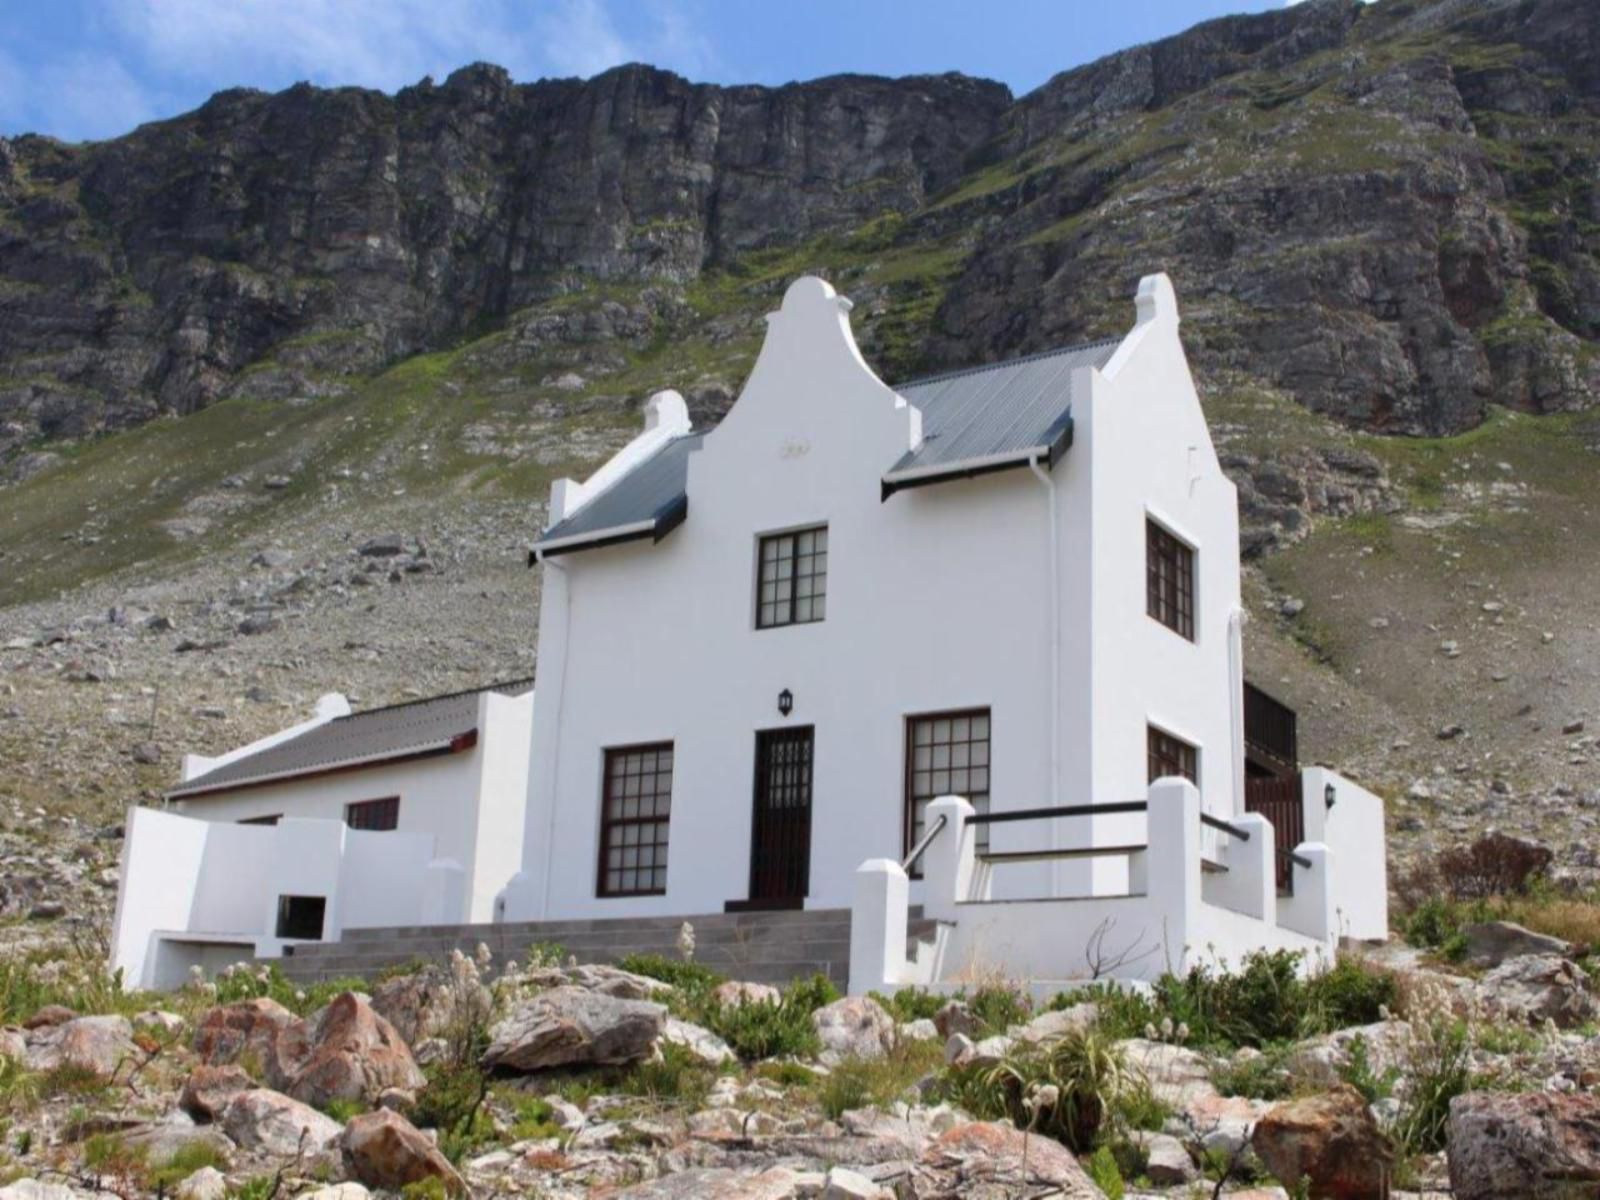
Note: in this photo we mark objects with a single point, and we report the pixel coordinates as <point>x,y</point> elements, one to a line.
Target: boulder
<point>844,1184</point>
<point>208,1090</point>
<point>33,1189</point>
<point>246,1027</point>
<point>984,1155</point>
<point>1052,1026</point>
<point>348,1190</point>
<point>384,1150</point>
<point>854,1027</point>
<point>49,1016</point>
<point>13,1044</point>
<point>262,1119</point>
<point>1321,1060</point>
<point>158,1020</point>
<point>162,1140</point>
<point>207,1183</point>
<point>422,1004</point>
<point>96,1044</point>
<point>1167,1162</point>
<point>955,1017</point>
<point>1535,987</point>
<point>1524,1144</point>
<point>351,1053</point>
<point>385,545</point>
<point>598,977</point>
<point>920,1030</point>
<point>1331,1140</point>
<point>568,1026</point>
<point>1177,1075</point>
<point>1490,943</point>
<point>701,1042</point>
<point>735,992</point>
<point>717,1183</point>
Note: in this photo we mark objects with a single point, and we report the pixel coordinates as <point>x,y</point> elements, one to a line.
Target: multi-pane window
<point>1172,756</point>
<point>947,754</point>
<point>373,814</point>
<point>792,584</point>
<point>1169,580</point>
<point>636,806</point>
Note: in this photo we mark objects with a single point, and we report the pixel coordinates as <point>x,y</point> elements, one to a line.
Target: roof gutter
<point>1049,453</point>
<point>451,745</point>
<point>667,518</point>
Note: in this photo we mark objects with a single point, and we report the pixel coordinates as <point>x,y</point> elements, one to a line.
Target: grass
<point>878,1082</point>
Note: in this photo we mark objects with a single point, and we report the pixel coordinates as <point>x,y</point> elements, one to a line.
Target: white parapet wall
<point>206,893</point>
<point>1192,901</point>
<point>1348,819</point>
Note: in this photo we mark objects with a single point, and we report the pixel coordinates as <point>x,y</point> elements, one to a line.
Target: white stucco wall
<point>1353,831</point>
<point>469,804</point>
<point>938,599</point>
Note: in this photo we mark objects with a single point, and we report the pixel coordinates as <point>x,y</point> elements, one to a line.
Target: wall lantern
<point>786,702</point>
<point>1329,795</point>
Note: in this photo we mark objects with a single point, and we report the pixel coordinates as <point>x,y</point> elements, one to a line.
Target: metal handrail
<point>1218,823</point>
<point>927,838</point>
<point>1299,860</point>
<point>1071,810</point>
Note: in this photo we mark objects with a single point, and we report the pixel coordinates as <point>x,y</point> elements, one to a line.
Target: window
<point>373,814</point>
<point>301,916</point>
<point>793,581</point>
<point>271,820</point>
<point>635,807</point>
<point>1172,756</point>
<point>1169,580</point>
<point>947,754</point>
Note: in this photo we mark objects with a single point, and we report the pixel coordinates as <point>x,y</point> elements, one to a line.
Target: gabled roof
<point>973,421</point>
<point>418,728</point>
<point>986,418</point>
<point>649,501</point>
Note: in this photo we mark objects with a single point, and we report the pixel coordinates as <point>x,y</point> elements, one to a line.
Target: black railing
<point>1045,814</point>
<point>922,845</point>
<point>1218,823</point>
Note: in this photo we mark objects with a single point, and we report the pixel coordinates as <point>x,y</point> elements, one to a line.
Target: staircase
<point>761,947</point>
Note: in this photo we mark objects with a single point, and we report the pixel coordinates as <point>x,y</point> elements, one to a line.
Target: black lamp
<point>785,702</point>
<point>1329,795</point>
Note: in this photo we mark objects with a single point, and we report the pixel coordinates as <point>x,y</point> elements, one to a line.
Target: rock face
<point>351,1053</point>
<point>1531,1144</point>
<point>247,1027</point>
<point>1535,987</point>
<point>854,1027</point>
<point>95,1044</point>
<point>1330,1140</point>
<point>981,1155</point>
<point>315,234</point>
<point>1490,943</point>
<point>568,1026</point>
<point>385,1150</point>
<point>208,1090</point>
<point>277,1124</point>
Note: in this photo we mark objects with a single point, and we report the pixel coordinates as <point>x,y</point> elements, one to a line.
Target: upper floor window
<point>1172,756</point>
<point>792,584</point>
<point>635,811</point>
<point>373,814</point>
<point>1169,580</point>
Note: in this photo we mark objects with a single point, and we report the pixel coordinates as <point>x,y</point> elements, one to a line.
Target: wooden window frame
<point>389,806</point>
<point>912,798</point>
<point>786,592</point>
<point>1165,753</point>
<point>1169,570</point>
<point>610,824</point>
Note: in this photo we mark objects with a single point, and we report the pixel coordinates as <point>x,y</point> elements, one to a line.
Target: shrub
<point>1493,866</point>
<point>1260,1077</point>
<point>910,1004</point>
<point>1106,1174</point>
<point>858,1082</point>
<point>999,1006</point>
<point>184,1162</point>
<point>688,976</point>
<point>1439,1068</point>
<point>431,1188</point>
<point>757,1030</point>
<point>342,1110</point>
<point>1065,1089</point>
<point>1348,993</point>
<point>534,1120</point>
<point>677,1074</point>
<point>120,1167</point>
<point>1358,1071</point>
<point>451,1101</point>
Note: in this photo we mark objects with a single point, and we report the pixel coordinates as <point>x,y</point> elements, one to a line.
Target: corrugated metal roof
<point>645,494</point>
<point>969,416</point>
<point>376,735</point>
<point>985,413</point>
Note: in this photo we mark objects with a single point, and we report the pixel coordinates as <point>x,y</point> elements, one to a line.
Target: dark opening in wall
<point>301,916</point>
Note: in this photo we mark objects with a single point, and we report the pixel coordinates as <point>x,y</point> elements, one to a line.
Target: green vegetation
<point>857,1083</point>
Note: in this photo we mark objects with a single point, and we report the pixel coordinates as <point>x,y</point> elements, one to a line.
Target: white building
<point>410,814</point>
<point>767,649</point>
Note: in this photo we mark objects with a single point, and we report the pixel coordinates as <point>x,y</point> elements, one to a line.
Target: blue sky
<point>81,69</point>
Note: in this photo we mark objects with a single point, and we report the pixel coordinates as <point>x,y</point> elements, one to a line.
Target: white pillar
<point>444,893</point>
<point>1173,863</point>
<point>1249,886</point>
<point>878,926</point>
<point>947,864</point>
<point>1311,909</point>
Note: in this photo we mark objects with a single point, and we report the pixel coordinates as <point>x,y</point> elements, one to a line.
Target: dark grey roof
<point>975,416</point>
<point>1004,409</point>
<point>646,495</point>
<point>437,724</point>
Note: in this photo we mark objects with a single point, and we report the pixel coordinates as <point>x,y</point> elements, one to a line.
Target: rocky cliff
<point>1389,212</point>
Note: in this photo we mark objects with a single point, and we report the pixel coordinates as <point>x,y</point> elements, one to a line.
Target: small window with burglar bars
<point>636,808</point>
<point>373,814</point>
<point>793,580</point>
<point>1172,756</point>
<point>947,754</point>
<point>1169,580</point>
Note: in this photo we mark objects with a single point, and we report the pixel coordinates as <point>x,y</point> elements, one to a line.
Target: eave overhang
<point>1048,454</point>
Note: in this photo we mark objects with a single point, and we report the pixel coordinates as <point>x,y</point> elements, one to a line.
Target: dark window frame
<point>610,825</point>
<point>786,593</point>
<point>374,816</point>
<point>912,828</point>
<point>264,819</point>
<point>1169,578</point>
<point>1168,754</point>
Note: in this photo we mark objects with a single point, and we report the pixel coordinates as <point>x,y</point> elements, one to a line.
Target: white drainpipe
<point>1044,477</point>
<point>555,753</point>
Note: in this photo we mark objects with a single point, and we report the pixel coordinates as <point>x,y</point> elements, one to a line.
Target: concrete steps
<point>761,947</point>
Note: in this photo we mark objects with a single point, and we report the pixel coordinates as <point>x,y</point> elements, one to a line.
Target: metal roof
<point>646,502</point>
<point>438,724</point>
<point>992,414</point>
<point>973,420</point>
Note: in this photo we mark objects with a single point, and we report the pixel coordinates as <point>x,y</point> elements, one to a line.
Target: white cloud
<point>84,94</point>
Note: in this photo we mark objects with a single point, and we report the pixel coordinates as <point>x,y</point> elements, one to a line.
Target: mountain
<point>237,345</point>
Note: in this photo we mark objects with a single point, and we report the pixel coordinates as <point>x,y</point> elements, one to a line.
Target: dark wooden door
<point>780,834</point>
<point>1278,800</point>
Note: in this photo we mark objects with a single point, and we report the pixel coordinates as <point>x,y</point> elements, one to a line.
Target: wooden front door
<point>780,834</point>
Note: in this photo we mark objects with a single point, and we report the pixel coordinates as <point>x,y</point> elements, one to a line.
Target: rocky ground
<point>564,1080</point>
